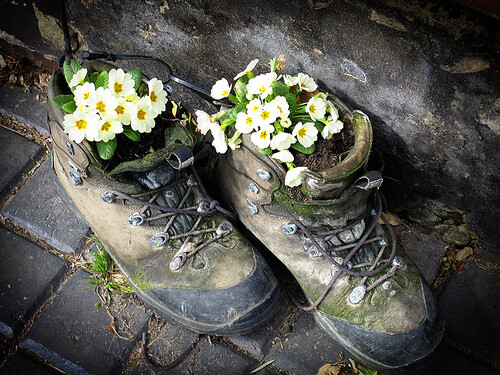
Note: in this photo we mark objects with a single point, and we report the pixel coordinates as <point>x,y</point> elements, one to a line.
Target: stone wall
<point>426,73</point>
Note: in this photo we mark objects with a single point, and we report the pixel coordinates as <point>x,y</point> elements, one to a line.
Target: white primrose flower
<point>262,84</point>
<point>293,176</point>
<point>286,122</point>
<point>283,156</point>
<point>253,107</point>
<point>219,141</point>
<point>120,83</point>
<point>157,96</point>
<point>332,126</point>
<point>244,123</point>
<point>332,110</point>
<point>108,127</point>
<point>306,133</point>
<point>262,137</point>
<point>266,115</point>
<point>204,121</point>
<point>220,89</point>
<point>248,69</point>
<point>306,83</point>
<point>282,105</point>
<point>78,78</point>
<point>142,118</point>
<point>290,81</point>
<point>85,95</point>
<point>316,108</point>
<point>282,141</point>
<point>124,111</point>
<point>234,144</point>
<point>105,102</point>
<point>81,125</point>
<point>133,98</point>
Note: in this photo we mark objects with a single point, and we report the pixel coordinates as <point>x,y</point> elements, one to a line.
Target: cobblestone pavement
<point>49,322</point>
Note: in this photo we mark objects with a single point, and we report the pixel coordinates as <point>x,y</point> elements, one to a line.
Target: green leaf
<point>240,89</point>
<point>102,80</point>
<point>233,112</point>
<point>227,122</point>
<point>136,76</point>
<point>291,99</point>
<point>305,150</point>
<point>132,134</point>
<point>93,77</point>
<point>265,151</point>
<point>60,100</point>
<point>365,370</point>
<point>107,149</point>
<point>70,70</point>
<point>264,365</point>
<point>69,107</point>
<point>280,89</point>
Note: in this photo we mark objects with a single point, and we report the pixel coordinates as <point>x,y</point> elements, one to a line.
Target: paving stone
<point>426,251</point>
<point>304,348</point>
<point>18,155</point>
<point>28,276</point>
<point>259,341</point>
<point>453,362</point>
<point>38,208</point>
<point>21,365</point>
<point>75,337</point>
<point>470,306</point>
<point>24,107</point>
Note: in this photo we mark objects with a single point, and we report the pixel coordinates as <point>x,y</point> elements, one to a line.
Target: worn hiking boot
<point>363,290</point>
<point>181,255</point>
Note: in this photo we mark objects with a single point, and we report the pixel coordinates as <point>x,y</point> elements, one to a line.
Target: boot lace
<point>321,241</point>
<point>150,211</point>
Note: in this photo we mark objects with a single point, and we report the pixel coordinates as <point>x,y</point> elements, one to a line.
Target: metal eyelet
<point>77,180</point>
<point>253,187</point>
<point>357,294</point>
<point>108,197</point>
<point>224,228</point>
<point>137,219</point>
<point>398,262</point>
<point>178,262</point>
<point>263,174</point>
<point>252,207</point>
<point>203,207</point>
<point>159,239</point>
<point>289,228</point>
<point>70,148</point>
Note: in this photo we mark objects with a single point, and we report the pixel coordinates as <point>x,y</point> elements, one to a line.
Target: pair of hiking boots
<point>184,256</point>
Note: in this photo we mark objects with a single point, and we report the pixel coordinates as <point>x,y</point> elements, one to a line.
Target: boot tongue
<point>176,135</point>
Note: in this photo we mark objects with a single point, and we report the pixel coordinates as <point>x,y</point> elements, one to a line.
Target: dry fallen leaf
<point>330,369</point>
<point>393,219</point>
<point>464,253</point>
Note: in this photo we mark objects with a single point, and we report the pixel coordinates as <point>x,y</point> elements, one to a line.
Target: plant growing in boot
<point>176,246</point>
<point>277,115</point>
<point>104,104</point>
<point>362,289</point>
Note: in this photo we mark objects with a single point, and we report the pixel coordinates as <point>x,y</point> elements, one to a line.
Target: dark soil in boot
<point>327,155</point>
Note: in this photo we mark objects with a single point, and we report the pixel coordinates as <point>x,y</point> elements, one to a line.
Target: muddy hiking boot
<point>179,251</point>
<point>364,292</point>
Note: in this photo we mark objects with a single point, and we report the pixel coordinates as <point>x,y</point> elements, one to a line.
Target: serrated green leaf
<point>132,134</point>
<point>136,76</point>
<point>265,151</point>
<point>69,107</point>
<point>102,80</point>
<point>280,89</point>
<point>93,77</point>
<point>60,100</point>
<point>291,99</point>
<point>305,150</point>
<point>107,149</point>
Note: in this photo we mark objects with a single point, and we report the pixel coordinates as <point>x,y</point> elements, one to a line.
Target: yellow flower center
<point>86,95</point>
<point>100,106</point>
<point>302,132</point>
<point>265,115</point>
<point>303,84</point>
<point>225,92</point>
<point>81,124</point>
<point>249,121</point>
<point>281,110</point>
<point>118,87</point>
<point>262,89</point>
<point>120,110</point>
<point>312,108</point>
<point>141,114</point>
<point>263,134</point>
<point>106,126</point>
<point>255,107</point>
<point>153,96</point>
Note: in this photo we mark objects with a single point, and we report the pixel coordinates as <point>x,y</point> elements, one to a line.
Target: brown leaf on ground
<point>393,219</point>
<point>330,369</point>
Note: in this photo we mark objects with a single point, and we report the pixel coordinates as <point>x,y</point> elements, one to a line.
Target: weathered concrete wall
<point>427,74</point>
